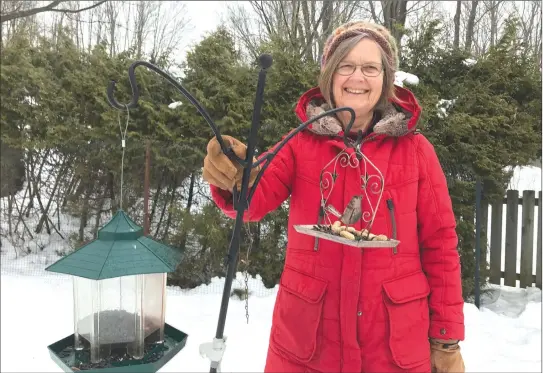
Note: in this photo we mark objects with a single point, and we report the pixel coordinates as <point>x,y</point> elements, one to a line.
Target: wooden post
<point>478,195</point>
<point>496,243</point>
<point>146,188</point>
<point>484,221</point>
<point>539,227</point>
<point>527,239</point>
<point>511,227</point>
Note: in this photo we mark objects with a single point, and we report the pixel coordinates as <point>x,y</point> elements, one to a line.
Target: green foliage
<point>204,253</point>
<point>268,254</point>
<point>287,79</point>
<point>216,77</point>
<point>492,121</point>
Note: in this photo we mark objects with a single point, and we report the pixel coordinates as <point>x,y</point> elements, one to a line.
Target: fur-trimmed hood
<point>399,118</point>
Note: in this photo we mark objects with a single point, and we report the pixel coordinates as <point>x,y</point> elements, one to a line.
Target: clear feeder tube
<point>78,343</point>
<point>95,322</point>
<point>163,313</point>
<point>136,348</point>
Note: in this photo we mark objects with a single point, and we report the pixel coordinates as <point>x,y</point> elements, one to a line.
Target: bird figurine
<point>352,213</point>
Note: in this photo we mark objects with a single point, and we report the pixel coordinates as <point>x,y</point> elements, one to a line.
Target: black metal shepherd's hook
<point>215,350</point>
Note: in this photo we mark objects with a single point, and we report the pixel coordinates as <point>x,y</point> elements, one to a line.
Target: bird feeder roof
<point>120,249</point>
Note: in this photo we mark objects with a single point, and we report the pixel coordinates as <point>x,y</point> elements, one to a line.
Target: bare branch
<point>240,20</point>
<point>302,24</point>
<point>456,42</point>
<point>350,12</point>
<point>51,7</point>
<point>112,12</point>
<point>259,8</point>
<point>492,7</point>
<point>282,8</point>
<point>373,14</point>
<point>471,25</point>
<point>394,16</point>
<point>168,28</point>
<point>311,38</point>
<point>412,8</point>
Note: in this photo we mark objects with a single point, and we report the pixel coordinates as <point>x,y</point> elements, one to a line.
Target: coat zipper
<point>390,205</point>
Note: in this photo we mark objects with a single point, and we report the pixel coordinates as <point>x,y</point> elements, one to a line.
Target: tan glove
<point>220,171</point>
<point>446,359</point>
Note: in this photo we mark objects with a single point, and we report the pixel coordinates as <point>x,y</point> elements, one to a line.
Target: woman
<point>340,308</point>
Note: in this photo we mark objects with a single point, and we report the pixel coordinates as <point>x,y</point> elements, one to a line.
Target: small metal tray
<point>309,230</point>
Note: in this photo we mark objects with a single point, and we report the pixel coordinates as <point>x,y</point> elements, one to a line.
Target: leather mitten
<point>220,171</point>
<point>446,357</point>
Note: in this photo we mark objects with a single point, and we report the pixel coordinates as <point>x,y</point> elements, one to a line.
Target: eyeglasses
<point>368,69</point>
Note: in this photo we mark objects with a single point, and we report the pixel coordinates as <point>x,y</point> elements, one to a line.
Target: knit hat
<point>377,32</point>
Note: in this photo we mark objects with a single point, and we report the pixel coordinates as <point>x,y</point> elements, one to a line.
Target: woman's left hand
<point>446,359</point>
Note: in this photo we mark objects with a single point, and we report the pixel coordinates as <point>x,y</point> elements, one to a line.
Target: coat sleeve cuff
<point>446,330</point>
<point>224,200</point>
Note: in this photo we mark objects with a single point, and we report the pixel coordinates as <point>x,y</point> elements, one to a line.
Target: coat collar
<point>397,119</point>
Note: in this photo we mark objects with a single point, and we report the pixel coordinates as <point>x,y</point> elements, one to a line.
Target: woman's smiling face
<point>359,89</point>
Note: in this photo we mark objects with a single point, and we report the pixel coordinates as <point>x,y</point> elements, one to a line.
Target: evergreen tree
<point>481,118</point>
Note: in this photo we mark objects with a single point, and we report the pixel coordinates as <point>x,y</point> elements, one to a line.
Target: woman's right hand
<point>219,170</point>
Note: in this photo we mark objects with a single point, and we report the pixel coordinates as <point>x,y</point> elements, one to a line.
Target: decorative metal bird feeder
<point>215,349</point>
<point>342,231</point>
<point>119,294</point>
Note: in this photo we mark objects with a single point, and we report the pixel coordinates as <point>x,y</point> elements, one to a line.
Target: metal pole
<point>478,193</point>
<point>146,188</point>
<point>241,202</point>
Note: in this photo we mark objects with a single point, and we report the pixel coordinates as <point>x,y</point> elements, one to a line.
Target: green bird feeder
<point>119,294</point>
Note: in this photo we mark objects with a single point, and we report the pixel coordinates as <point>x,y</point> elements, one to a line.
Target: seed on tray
<point>347,235</point>
<point>350,233</point>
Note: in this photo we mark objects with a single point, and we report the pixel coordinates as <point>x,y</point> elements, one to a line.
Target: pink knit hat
<point>378,33</point>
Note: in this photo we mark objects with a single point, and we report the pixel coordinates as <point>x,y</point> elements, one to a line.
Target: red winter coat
<point>344,309</point>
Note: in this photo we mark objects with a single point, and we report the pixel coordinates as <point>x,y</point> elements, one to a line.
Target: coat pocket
<point>406,301</point>
<point>298,315</point>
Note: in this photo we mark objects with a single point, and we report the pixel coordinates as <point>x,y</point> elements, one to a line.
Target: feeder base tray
<point>63,353</point>
<point>370,244</point>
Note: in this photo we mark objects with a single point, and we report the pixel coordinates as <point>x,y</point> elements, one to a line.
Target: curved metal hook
<point>301,127</point>
<point>135,97</point>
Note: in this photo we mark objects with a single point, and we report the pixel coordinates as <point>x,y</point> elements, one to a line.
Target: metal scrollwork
<point>372,183</point>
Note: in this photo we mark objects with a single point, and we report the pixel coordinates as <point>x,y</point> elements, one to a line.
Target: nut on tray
<point>347,235</point>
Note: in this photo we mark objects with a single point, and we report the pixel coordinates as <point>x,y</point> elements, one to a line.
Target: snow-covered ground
<point>36,310</point>
<point>503,336</point>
